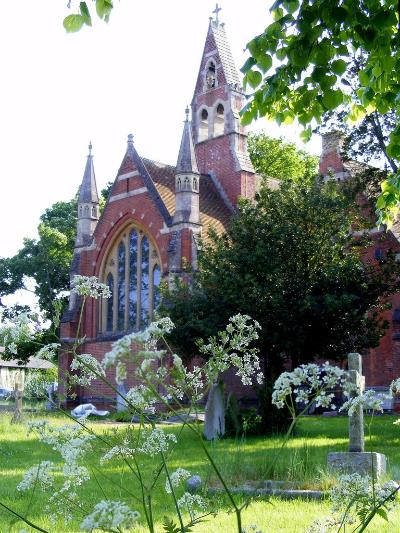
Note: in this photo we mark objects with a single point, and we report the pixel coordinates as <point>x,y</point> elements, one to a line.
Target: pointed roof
<point>187,158</point>
<point>88,189</point>
<point>224,52</point>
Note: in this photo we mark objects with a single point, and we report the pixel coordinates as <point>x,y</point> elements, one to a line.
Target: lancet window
<point>132,273</point>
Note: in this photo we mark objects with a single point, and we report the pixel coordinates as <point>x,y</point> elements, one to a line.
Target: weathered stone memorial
<point>18,395</point>
<point>357,460</point>
<point>214,420</point>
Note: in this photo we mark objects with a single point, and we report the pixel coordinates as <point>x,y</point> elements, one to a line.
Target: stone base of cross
<point>356,460</point>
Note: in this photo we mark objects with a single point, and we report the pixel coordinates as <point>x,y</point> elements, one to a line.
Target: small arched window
<point>94,214</point>
<point>203,125</point>
<point>186,184</point>
<point>80,210</point>
<point>133,275</point>
<point>86,210</point>
<point>178,184</point>
<point>195,186</point>
<point>219,120</point>
<point>211,80</point>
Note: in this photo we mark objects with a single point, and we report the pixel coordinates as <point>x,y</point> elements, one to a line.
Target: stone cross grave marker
<point>18,394</point>
<point>356,422</point>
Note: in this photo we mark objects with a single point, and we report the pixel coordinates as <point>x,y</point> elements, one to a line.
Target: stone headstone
<point>214,420</point>
<point>121,403</point>
<point>356,460</point>
<point>18,394</point>
<point>356,421</point>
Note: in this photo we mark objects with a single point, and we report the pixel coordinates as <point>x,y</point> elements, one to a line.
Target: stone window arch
<point>132,271</point>
<point>186,184</point>
<point>195,184</point>
<point>211,75</point>
<point>80,210</point>
<point>86,210</point>
<point>178,184</point>
<point>219,120</point>
<point>94,211</point>
<point>203,125</point>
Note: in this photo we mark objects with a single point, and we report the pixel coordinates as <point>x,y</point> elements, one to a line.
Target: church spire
<point>187,179</point>
<point>88,204</point>
<point>187,157</point>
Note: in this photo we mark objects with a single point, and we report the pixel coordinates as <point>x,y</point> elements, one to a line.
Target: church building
<point>156,213</point>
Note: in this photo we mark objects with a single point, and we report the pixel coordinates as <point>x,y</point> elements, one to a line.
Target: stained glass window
<point>121,286</point>
<point>133,250</point>
<point>156,286</point>
<point>144,283</point>
<point>109,303</point>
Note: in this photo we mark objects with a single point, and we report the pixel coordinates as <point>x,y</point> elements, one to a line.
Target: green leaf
<point>169,526</point>
<point>305,135</point>
<point>332,99</point>
<point>291,5</point>
<point>250,62</point>
<point>264,62</point>
<point>339,66</point>
<point>382,513</point>
<point>85,13</point>
<point>73,23</point>
<point>364,78</point>
<point>253,78</point>
<point>103,8</point>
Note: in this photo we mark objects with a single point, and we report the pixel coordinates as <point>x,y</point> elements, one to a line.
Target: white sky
<point>59,91</point>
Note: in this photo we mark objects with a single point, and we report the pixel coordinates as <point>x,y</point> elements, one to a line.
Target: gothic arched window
<point>211,80</point>
<point>203,125</point>
<point>219,120</point>
<point>133,274</point>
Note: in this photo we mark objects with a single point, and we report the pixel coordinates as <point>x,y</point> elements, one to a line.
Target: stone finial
<point>130,139</point>
<point>90,148</point>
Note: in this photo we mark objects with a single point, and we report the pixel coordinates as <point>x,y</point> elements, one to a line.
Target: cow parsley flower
<point>110,514</point>
<point>176,477</point>
<point>13,332</point>
<point>308,383</point>
<point>40,475</point>
<point>141,399</point>
<point>90,287</point>
<point>49,351</point>
<point>155,441</point>
<point>395,387</point>
<point>119,450</point>
<point>88,367</point>
<point>369,399</point>
<point>193,503</point>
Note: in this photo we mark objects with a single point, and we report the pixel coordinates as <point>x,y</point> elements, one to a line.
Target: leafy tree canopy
<point>280,159</point>
<point>298,68</point>
<point>288,261</point>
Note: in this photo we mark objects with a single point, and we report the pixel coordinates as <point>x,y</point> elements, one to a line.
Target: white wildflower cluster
<point>231,348</point>
<point>369,399</point>
<point>49,351</point>
<point>122,450</point>
<point>193,503</point>
<point>328,524</point>
<point>253,528</point>
<point>176,478</point>
<point>89,286</point>
<point>358,492</point>
<point>308,383</point>
<point>155,441</point>
<point>13,331</point>
<point>88,367</point>
<point>40,475</point>
<point>110,515</point>
<point>146,340</point>
<point>141,399</point>
<point>395,387</point>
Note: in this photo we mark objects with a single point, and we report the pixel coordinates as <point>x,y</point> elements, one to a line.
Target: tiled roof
<point>225,54</point>
<point>213,211</point>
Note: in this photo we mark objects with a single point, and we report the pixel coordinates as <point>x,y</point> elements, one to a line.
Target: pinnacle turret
<point>88,204</point>
<point>187,157</point>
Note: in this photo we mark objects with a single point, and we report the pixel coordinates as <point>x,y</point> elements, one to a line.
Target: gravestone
<point>356,460</point>
<point>121,402</point>
<point>214,420</point>
<point>18,394</point>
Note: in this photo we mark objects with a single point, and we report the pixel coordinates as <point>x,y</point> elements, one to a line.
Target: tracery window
<point>132,273</point>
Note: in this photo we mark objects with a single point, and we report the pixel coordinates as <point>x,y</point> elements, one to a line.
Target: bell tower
<point>220,139</point>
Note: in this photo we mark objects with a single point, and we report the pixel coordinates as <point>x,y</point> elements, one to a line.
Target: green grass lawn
<point>304,460</point>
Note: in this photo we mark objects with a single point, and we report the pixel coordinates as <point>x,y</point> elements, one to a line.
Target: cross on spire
<point>216,11</point>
